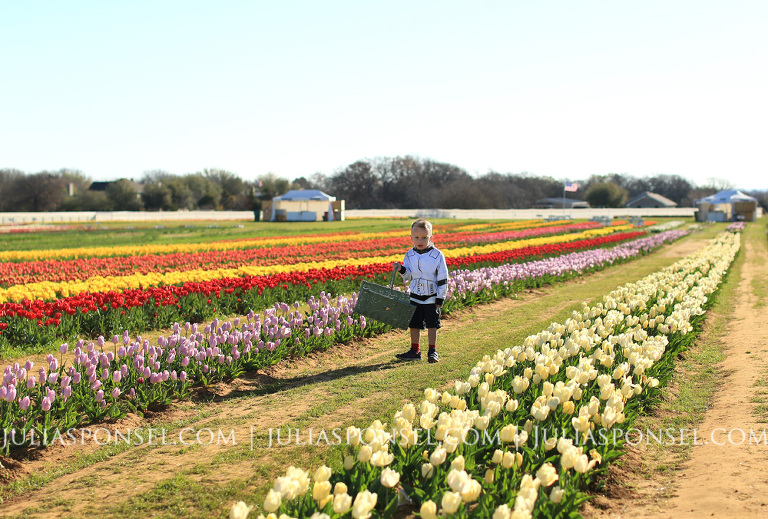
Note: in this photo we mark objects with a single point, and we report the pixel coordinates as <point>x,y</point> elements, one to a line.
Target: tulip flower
<point>389,478</point>
<point>239,510</point>
<point>451,502</point>
<point>272,501</point>
<point>428,510</point>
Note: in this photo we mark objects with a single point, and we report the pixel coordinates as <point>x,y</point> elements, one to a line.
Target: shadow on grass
<point>258,383</point>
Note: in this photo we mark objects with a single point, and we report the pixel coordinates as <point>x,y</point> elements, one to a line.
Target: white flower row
<point>604,351</point>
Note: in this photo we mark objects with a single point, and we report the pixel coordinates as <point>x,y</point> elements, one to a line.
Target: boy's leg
<point>415,338</point>
<point>432,352</point>
<point>415,329</point>
<point>415,352</point>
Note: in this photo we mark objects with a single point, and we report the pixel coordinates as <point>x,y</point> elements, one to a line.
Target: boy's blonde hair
<point>421,223</point>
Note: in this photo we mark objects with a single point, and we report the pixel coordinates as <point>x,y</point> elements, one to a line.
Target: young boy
<point>424,267</point>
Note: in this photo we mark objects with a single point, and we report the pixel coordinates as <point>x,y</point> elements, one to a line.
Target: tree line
<point>382,183</point>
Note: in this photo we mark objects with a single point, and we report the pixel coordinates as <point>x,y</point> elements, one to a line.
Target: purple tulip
<point>45,405</point>
<point>10,395</point>
<point>99,395</point>
<point>64,348</point>
<point>24,403</point>
<point>115,392</point>
<point>31,382</point>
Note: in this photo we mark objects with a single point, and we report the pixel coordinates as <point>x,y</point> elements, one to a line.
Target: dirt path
<point>726,474</point>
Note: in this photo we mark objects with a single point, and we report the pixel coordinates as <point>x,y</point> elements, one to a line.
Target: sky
<point>561,88</point>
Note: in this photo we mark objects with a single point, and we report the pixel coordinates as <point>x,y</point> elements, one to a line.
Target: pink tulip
<point>24,403</point>
<point>116,391</point>
<point>116,377</point>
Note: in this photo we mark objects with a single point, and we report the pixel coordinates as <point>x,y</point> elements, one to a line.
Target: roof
<point>663,200</point>
<point>727,197</point>
<point>560,201</point>
<point>305,194</point>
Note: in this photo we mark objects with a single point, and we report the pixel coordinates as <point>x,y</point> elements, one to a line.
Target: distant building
<point>561,203</point>
<point>102,186</point>
<point>730,205</point>
<point>648,199</point>
<point>303,205</point>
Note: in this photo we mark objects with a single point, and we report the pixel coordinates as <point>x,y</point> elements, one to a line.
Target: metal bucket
<point>384,304</point>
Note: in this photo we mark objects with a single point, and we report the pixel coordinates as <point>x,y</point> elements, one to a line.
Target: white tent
<point>728,205</point>
<point>728,196</point>
<point>305,194</point>
<point>304,204</point>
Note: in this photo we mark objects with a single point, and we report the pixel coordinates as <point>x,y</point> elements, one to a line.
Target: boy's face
<point>420,238</point>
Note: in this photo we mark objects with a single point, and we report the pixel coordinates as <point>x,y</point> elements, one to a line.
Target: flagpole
<point>564,183</point>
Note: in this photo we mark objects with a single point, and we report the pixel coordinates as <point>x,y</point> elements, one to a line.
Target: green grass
<point>758,237</point>
<point>145,233</point>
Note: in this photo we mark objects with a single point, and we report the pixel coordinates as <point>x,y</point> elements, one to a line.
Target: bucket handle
<point>392,281</point>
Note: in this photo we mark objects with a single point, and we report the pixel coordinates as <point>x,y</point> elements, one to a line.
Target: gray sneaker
<point>432,356</point>
<point>409,355</point>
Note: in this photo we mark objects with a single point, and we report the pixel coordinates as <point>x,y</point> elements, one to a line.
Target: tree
<point>86,201</point>
<point>122,196</point>
<point>42,191</point>
<point>8,181</point>
<point>358,185</point>
<point>156,197</point>
<point>272,186</point>
<point>606,194</point>
<point>205,193</point>
<point>232,187</point>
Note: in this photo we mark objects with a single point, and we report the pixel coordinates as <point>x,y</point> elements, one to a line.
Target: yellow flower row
<point>49,290</point>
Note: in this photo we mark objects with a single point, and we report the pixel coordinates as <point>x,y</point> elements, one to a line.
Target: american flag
<point>571,186</point>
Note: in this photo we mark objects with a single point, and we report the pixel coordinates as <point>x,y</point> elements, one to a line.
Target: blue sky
<point>565,89</point>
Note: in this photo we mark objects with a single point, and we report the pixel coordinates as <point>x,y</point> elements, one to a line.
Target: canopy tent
<point>305,194</point>
<point>728,196</point>
<point>306,205</point>
<point>726,206</point>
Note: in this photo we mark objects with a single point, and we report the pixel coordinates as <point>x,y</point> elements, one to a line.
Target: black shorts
<point>425,316</point>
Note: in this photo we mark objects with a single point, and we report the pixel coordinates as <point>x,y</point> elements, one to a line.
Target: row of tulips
<point>53,290</point>
<point>36,322</point>
<point>338,237</point>
<point>22,273</point>
<point>736,227</point>
<point>111,378</point>
<point>532,425</point>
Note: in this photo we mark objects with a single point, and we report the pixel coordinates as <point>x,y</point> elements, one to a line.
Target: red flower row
<point>171,295</point>
<point>82,268</point>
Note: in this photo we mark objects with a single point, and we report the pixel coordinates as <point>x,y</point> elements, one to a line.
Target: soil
<point>719,480</point>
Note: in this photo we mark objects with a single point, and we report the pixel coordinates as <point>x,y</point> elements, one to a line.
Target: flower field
<point>543,406</point>
<point>140,289</point>
<point>546,409</point>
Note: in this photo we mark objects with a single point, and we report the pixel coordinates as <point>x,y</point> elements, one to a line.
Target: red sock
<point>415,347</point>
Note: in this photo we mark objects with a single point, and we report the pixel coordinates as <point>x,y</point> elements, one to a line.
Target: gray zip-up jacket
<point>427,273</point>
